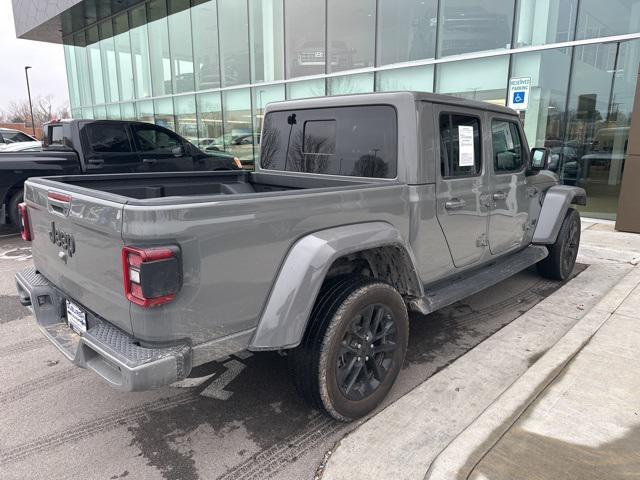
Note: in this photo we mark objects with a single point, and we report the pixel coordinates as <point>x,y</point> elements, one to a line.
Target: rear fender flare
<point>554,208</point>
<point>284,318</point>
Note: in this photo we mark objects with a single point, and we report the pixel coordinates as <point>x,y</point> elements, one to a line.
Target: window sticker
<point>465,141</point>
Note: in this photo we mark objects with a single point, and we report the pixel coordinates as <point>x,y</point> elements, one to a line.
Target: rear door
<point>509,201</point>
<point>108,148</point>
<point>161,150</point>
<point>462,186</point>
<point>77,244</point>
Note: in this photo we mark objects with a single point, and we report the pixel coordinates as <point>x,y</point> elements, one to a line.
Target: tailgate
<point>77,243</point>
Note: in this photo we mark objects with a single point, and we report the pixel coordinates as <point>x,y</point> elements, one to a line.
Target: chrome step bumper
<point>103,348</point>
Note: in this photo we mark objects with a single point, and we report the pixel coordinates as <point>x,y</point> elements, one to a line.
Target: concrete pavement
<point>473,419</point>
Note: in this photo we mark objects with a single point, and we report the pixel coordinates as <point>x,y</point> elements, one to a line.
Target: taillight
<point>152,276</point>
<point>25,231</point>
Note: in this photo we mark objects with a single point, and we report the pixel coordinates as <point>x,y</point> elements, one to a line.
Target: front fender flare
<point>285,316</point>
<point>554,208</point>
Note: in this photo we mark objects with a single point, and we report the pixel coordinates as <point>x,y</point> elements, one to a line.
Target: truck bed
<point>159,188</point>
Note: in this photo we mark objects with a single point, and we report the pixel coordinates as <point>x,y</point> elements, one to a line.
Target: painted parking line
<point>217,388</point>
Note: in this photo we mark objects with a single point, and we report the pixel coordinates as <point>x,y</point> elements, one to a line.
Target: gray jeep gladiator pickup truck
<point>361,208</point>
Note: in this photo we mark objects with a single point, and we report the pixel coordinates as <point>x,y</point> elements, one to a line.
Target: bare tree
<point>44,110</point>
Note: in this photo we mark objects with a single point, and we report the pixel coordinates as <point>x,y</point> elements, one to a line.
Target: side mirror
<point>539,159</point>
<point>177,151</point>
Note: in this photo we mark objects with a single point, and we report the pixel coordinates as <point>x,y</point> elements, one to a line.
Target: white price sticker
<point>466,148</point>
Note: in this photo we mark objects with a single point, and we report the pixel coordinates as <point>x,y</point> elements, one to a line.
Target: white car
<point>9,135</point>
<point>27,146</point>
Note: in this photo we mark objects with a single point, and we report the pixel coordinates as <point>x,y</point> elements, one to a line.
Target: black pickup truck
<point>101,146</point>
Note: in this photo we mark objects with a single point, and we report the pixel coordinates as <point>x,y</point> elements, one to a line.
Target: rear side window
<point>508,155</point>
<point>351,141</point>
<point>56,135</point>
<point>460,154</point>
<point>12,137</point>
<point>108,138</point>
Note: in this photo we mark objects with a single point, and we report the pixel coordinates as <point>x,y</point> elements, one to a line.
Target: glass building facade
<point>207,68</point>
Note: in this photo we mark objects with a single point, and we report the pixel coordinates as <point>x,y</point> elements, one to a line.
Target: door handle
<point>95,161</point>
<point>499,196</point>
<point>454,204</point>
<point>149,161</point>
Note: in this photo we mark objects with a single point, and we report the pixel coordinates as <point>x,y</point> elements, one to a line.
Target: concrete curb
<point>463,453</point>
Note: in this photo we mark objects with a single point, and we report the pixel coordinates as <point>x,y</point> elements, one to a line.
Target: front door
<point>462,187</point>
<point>161,150</point>
<point>509,202</point>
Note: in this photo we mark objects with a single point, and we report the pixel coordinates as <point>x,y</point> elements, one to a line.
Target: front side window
<point>507,146</point>
<point>154,140</point>
<point>350,141</point>
<point>108,138</point>
<point>460,154</point>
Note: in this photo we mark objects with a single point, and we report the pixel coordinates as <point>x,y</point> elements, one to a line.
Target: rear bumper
<point>103,348</point>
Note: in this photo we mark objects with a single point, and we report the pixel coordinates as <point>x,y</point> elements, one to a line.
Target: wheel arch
<point>556,202</point>
<point>373,249</point>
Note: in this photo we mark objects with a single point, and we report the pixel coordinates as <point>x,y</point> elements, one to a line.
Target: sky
<point>47,75</point>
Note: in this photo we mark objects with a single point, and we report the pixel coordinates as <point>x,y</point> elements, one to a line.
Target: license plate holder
<point>76,318</point>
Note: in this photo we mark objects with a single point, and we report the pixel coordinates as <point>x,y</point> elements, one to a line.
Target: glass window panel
<point>304,26</point>
<point>109,62</point>
<point>144,111</point>
<point>164,113</point>
<point>180,44</point>
<point>123,50</point>
<point>76,113</point>
<point>267,40</point>
<point>406,30</point>
<point>186,122</point>
<point>95,64</point>
<point>474,25</point>
<point>236,105</point>
<point>351,33</point>
<point>234,42</point>
<point>306,89</point>
<point>598,18</point>
<point>481,79</point>
<point>159,53</point>
<point>453,164</point>
<point>113,112</point>
<point>545,21</point>
<point>508,154</point>
<point>108,137</point>
<point>353,141</point>
<point>72,72</point>
<point>210,121</point>
<point>360,83</point>
<point>84,82</point>
<point>417,79</point>
<point>600,104</point>
<point>87,112</point>
<point>204,20</point>
<point>100,113</point>
<point>140,51</point>
<point>261,96</point>
<point>545,118</point>
<point>128,111</point>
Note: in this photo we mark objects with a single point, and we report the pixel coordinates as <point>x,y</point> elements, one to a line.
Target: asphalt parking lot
<point>239,418</point>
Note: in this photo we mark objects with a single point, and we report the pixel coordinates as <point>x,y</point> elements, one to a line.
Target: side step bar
<point>453,289</point>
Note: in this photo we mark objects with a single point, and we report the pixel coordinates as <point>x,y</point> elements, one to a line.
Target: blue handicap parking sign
<point>518,97</point>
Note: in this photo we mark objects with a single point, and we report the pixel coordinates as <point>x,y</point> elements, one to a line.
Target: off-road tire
<point>12,208</point>
<point>315,363</point>
<point>559,264</point>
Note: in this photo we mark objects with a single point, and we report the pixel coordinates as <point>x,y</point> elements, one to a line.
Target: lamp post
<point>33,125</point>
